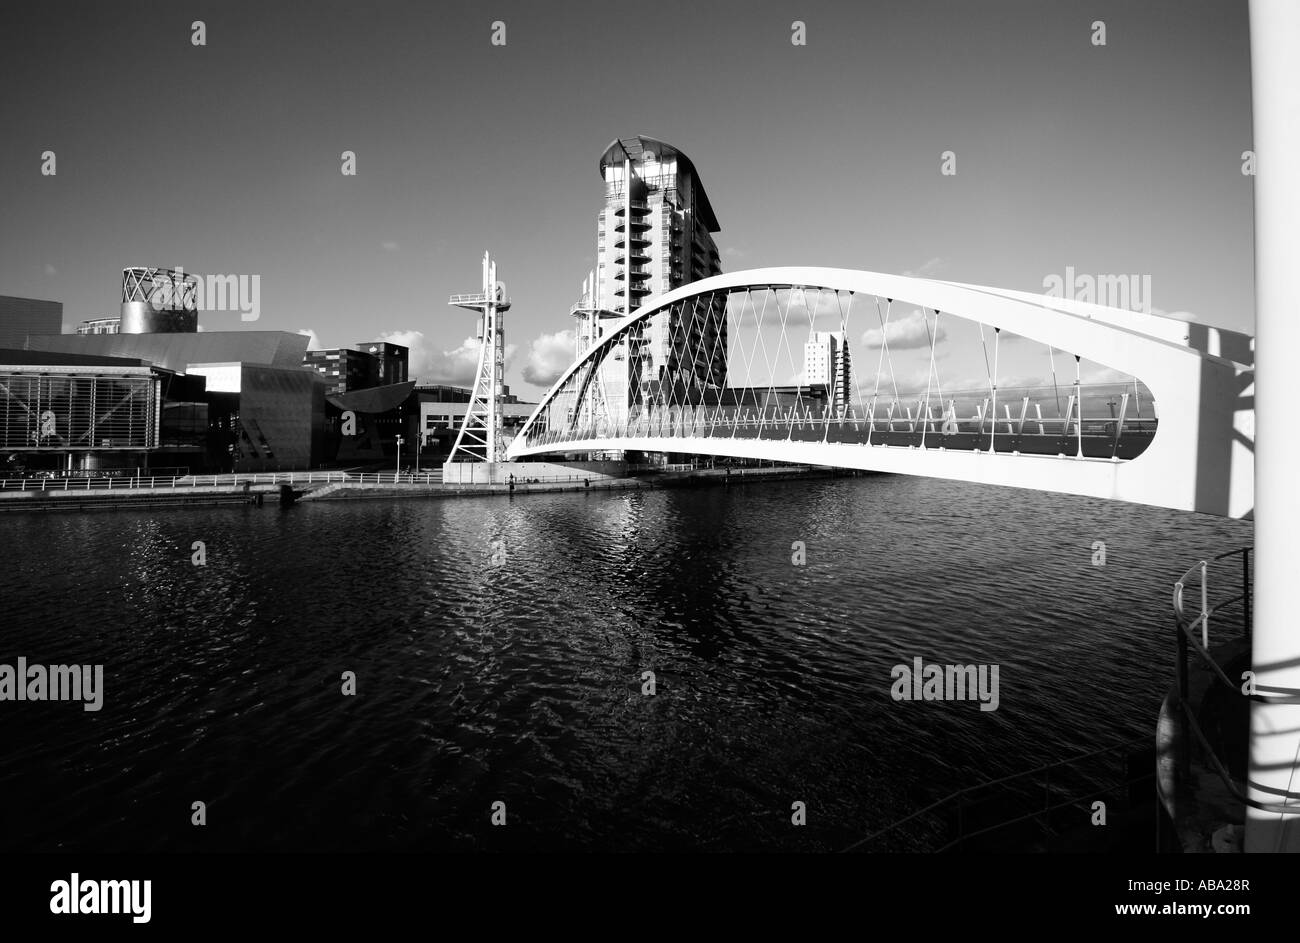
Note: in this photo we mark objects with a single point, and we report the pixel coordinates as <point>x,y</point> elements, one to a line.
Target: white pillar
<point>1275,729</point>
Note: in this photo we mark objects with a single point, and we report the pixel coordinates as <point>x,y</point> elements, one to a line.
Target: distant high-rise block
<point>827,362</point>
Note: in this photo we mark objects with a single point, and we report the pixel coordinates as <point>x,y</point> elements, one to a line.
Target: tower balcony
<point>635,290</point>
<point>638,256</point>
<point>639,208</point>
<point>636,239</point>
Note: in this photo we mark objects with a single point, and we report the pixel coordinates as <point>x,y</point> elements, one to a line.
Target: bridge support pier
<point>1275,728</point>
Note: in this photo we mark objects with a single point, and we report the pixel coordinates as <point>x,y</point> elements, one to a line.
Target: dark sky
<point>225,159</point>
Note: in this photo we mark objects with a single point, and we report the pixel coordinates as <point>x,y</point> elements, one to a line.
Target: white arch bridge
<point>888,373</point>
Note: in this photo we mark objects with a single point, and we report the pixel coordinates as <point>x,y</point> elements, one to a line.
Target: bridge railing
<point>233,481</point>
<point>1092,421</point>
<point>1192,628</point>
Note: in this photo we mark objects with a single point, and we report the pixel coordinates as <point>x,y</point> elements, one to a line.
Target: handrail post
<point>1180,673</point>
<point>1205,605</point>
<point>1245,588</point>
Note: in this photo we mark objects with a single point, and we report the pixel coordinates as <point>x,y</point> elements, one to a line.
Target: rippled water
<point>521,682</point>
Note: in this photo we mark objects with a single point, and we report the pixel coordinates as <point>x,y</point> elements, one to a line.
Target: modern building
<point>100,326</point>
<point>828,363</point>
<point>85,413</point>
<point>372,364</point>
<point>263,410</point>
<point>158,301</point>
<point>654,234</point>
<point>344,370</point>
<point>21,318</point>
<point>177,351</point>
<point>392,361</point>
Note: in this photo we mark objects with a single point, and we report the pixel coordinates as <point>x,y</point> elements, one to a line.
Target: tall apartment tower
<point>654,234</point>
<point>828,363</point>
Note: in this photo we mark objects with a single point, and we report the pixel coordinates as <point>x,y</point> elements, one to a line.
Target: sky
<point>225,158</point>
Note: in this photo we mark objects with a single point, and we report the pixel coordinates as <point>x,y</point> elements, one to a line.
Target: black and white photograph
<point>448,436</point>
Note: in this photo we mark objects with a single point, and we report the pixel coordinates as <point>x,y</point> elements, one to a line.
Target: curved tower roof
<point>635,148</point>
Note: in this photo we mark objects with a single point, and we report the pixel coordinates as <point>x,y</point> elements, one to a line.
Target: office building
<point>372,364</point>
<point>391,361</point>
<point>827,363</point>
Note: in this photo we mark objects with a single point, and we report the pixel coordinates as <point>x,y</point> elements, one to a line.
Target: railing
<point>476,298</point>
<point>682,467</point>
<point>154,482</point>
<point>961,801</point>
<point>1186,632</point>
<point>60,474</point>
<point>965,422</point>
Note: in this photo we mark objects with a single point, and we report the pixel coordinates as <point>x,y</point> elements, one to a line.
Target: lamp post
<point>419,444</point>
<point>399,459</point>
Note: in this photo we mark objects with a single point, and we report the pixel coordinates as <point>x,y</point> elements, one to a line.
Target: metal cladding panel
<point>141,317</point>
<point>281,418</point>
<point>178,351</point>
<point>21,318</point>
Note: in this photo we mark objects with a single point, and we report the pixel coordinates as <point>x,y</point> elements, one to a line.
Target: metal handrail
<point>1186,636</point>
<point>153,482</point>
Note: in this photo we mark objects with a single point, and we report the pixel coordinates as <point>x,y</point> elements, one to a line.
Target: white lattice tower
<point>479,439</point>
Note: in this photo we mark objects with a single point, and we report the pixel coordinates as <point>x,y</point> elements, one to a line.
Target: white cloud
<point>313,342</point>
<point>429,365</point>
<point>904,333</point>
<point>389,246</point>
<point>925,269</point>
<point>50,269</point>
<point>732,252</point>
<point>548,357</point>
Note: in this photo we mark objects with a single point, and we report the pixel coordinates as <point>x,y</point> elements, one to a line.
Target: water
<point>522,682</point>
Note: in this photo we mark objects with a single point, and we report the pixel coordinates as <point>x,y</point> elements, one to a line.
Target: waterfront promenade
<point>254,488</point>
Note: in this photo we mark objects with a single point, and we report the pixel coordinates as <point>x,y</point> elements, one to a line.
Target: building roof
<point>621,149</point>
<point>177,351</point>
<point>40,358</point>
<point>376,399</point>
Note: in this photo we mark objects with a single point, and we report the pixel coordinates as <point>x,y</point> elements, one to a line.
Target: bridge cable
<point>1051,354</point>
<point>889,356</point>
<point>929,376</point>
<point>988,370</point>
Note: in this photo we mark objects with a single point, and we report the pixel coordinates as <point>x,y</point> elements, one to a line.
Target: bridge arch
<point>915,376</point>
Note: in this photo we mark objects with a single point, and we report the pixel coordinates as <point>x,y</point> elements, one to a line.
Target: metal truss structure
<point>479,439</point>
<point>164,289</point>
<point>931,378</point>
